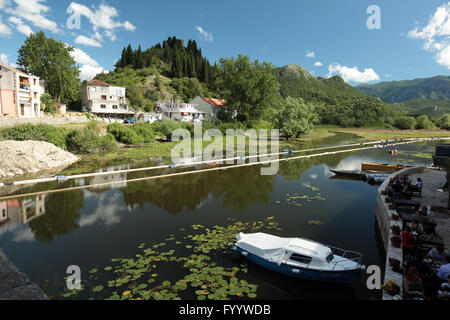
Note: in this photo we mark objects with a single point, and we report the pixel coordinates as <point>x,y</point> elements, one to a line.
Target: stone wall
<point>52,120</point>
<point>385,223</point>
<point>15,285</point>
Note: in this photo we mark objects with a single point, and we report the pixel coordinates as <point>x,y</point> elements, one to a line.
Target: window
<point>119,92</point>
<point>115,107</point>
<point>330,258</point>
<point>103,89</point>
<point>300,258</point>
<point>103,106</point>
<point>93,89</point>
<point>3,213</point>
<point>104,98</point>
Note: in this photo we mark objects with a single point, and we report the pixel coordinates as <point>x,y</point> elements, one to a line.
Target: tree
<point>296,117</point>
<point>51,61</point>
<point>249,87</point>
<point>48,103</point>
<point>405,123</point>
<point>423,122</point>
<point>444,122</point>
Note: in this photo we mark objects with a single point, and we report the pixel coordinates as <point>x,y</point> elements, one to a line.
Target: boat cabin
<point>286,250</point>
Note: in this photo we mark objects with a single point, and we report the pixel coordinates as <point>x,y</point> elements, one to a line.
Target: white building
<point>208,106</point>
<point>20,93</point>
<point>104,99</point>
<point>183,112</point>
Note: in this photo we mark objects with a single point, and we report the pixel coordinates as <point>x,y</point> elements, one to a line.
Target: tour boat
<point>300,258</point>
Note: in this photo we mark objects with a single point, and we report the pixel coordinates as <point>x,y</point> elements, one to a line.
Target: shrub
<point>145,131</point>
<point>125,134</point>
<point>166,127</point>
<point>50,104</point>
<point>39,132</point>
<point>423,122</point>
<point>87,141</point>
<point>405,123</point>
<point>444,122</point>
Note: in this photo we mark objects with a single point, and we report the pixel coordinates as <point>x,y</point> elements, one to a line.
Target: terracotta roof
<point>215,102</point>
<point>16,70</point>
<point>98,83</point>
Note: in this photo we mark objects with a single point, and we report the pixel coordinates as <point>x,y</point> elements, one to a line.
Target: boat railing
<point>346,254</point>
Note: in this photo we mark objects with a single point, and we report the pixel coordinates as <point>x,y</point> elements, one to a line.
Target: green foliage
<point>423,122</point>
<point>188,88</point>
<point>51,61</point>
<point>401,91</point>
<point>88,141</point>
<point>336,101</point>
<point>249,88</point>
<point>405,123</point>
<point>296,117</point>
<point>145,131</point>
<point>444,122</point>
<point>39,132</point>
<point>50,104</point>
<point>166,127</point>
<point>125,134</point>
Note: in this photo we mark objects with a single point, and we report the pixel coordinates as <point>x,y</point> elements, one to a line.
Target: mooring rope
<point>409,141</point>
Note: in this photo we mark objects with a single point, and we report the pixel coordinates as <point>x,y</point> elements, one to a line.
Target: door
<point>22,109</point>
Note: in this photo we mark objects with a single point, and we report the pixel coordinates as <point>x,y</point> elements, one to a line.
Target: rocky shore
<point>30,157</point>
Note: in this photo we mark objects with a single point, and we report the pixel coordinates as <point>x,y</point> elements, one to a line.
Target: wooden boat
<point>384,167</point>
<point>300,258</point>
<point>348,173</point>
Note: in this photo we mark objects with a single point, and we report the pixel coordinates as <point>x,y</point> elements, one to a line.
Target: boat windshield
<point>330,258</point>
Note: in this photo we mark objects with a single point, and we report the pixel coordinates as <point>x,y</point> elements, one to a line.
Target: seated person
<point>421,214</point>
<point>412,284</point>
<point>444,271</point>
<point>417,227</point>
<point>444,290</point>
<point>397,188</point>
<point>437,255</point>
<point>408,241</point>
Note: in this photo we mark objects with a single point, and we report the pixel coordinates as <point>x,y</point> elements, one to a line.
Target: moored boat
<point>383,167</point>
<point>348,173</point>
<point>300,258</point>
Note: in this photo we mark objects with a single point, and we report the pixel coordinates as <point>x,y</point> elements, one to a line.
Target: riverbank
<point>32,157</point>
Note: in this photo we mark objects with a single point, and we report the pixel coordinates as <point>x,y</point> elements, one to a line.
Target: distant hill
<point>430,96</point>
<point>339,102</point>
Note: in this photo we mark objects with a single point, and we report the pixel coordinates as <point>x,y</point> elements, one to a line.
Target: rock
<point>22,157</point>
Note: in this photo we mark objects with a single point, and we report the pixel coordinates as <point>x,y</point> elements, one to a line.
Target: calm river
<point>88,228</point>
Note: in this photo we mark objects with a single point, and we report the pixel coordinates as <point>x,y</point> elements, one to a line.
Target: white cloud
<point>436,35</point>
<point>311,55</point>
<point>21,26</point>
<point>34,11</point>
<point>4,30</point>
<point>88,72</point>
<point>3,3</point>
<point>82,57</point>
<point>89,68</point>
<point>204,35</point>
<point>388,75</point>
<point>3,58</point>
<point>88,41</point>
<point>353,74</point>
<point>318,64</point>
<point>102,18</point>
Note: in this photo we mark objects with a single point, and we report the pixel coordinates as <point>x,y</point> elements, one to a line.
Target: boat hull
<point>367,166</point>
<point>349,174</point>
<point>348,276</point>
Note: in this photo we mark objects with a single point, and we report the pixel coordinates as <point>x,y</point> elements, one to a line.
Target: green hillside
<point>339,103</point>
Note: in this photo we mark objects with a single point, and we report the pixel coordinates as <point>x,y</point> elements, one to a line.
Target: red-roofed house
<point>208,106</point>
<point>101,98</point>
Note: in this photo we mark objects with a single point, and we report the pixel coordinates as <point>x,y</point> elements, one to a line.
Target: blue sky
<point>327,37</point>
